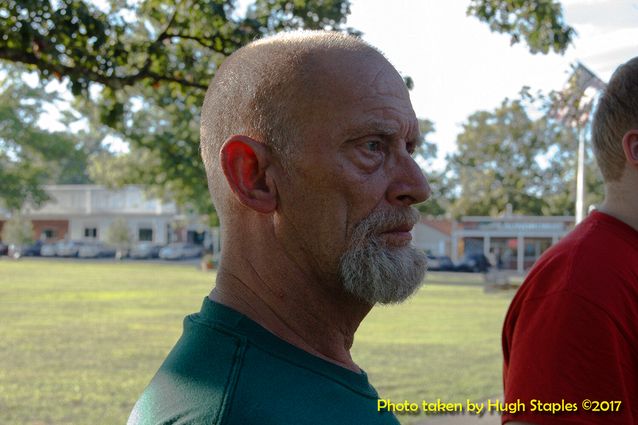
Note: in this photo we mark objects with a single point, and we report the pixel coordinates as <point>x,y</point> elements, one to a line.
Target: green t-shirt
<point>228,370</point>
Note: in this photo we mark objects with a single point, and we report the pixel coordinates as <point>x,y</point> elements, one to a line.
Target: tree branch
<point>158,77</point>
<point>157,42</point>
<point>82,73</point>
<point>202,41</point>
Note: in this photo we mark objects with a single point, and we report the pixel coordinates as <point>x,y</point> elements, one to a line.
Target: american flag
<point>576,101</point>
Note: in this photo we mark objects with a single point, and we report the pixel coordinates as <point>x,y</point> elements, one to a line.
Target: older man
<point>570,338</point>
<point>307,140</point>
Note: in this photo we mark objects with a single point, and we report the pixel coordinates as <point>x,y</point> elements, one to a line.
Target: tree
<point>29,155</point>
<point>538,22</point>
<point>506,157</point>
<point>119,235</point>
<point>146,42</point>
<point>17,231</point>
<point>427,152</point>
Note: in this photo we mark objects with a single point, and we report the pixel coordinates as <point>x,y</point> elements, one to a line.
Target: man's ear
<point>630,146</point>
<point>245,163</point>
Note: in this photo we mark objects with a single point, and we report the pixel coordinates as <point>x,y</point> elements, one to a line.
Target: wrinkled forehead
<point>351,72</point>
<point>350,89</point>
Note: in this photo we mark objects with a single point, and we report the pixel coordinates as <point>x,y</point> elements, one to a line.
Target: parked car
<point>433,262</point>
<point>48,250</point>
<point>68,248</point>
<point>96,250</point>
<point>440,263</point>
<point>4,249</point>
<point>473,263</point>
<point>145,250</point>
<point>27,250</point>
<point>179,250</point>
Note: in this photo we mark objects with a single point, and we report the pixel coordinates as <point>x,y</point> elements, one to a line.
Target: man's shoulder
<point>574,318</point>
<point>195,383</point>
<point>594,260</point>
<point>593,267</point>
<point>223,374</point>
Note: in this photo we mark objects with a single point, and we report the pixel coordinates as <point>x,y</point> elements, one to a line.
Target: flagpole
<point>589,86</point>
<point>580,176</point>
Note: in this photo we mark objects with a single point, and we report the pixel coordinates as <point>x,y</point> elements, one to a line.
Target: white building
<point>85,212</point>
<point>433,235</point>
<point>517,240</point>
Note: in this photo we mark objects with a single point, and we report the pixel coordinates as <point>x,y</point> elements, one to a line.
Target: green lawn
<point>79,341</point>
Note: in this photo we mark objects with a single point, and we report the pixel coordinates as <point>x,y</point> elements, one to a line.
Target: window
<point>195,237</point>
<point>90,232</point>
<point>48,233</point>
<point>145,235</point>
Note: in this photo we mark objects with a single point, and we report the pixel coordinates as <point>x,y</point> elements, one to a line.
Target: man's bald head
<point>264,91</point>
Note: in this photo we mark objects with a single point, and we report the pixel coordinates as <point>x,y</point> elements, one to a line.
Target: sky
<point>459,66</point>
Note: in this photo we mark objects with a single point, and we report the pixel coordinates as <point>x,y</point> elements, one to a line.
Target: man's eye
<point>373,145</point>
<point>411,148</point>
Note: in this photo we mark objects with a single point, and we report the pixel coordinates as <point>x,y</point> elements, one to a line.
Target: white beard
<point>376,273</point>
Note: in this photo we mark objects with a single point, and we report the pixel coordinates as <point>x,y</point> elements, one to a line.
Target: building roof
<point>519,218</point>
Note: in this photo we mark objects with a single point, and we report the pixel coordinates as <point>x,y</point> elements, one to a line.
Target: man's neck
<point>621,204</point>
<point>304,312</point>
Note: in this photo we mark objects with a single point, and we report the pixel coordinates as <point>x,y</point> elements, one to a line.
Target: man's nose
<point>409,185</point>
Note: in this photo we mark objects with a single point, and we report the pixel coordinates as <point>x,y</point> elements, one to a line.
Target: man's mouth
<point>398,236</point>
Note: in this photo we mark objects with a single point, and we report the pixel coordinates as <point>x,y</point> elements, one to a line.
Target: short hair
<point>256,92</point>
<point>617,113</point>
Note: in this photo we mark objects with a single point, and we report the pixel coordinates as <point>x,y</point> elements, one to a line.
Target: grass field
<point>79,341</point>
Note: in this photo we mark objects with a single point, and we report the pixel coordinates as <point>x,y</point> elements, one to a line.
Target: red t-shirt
<point>571,332</point>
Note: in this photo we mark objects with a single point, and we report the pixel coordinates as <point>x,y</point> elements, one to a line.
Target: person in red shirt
<point>570,337</point>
